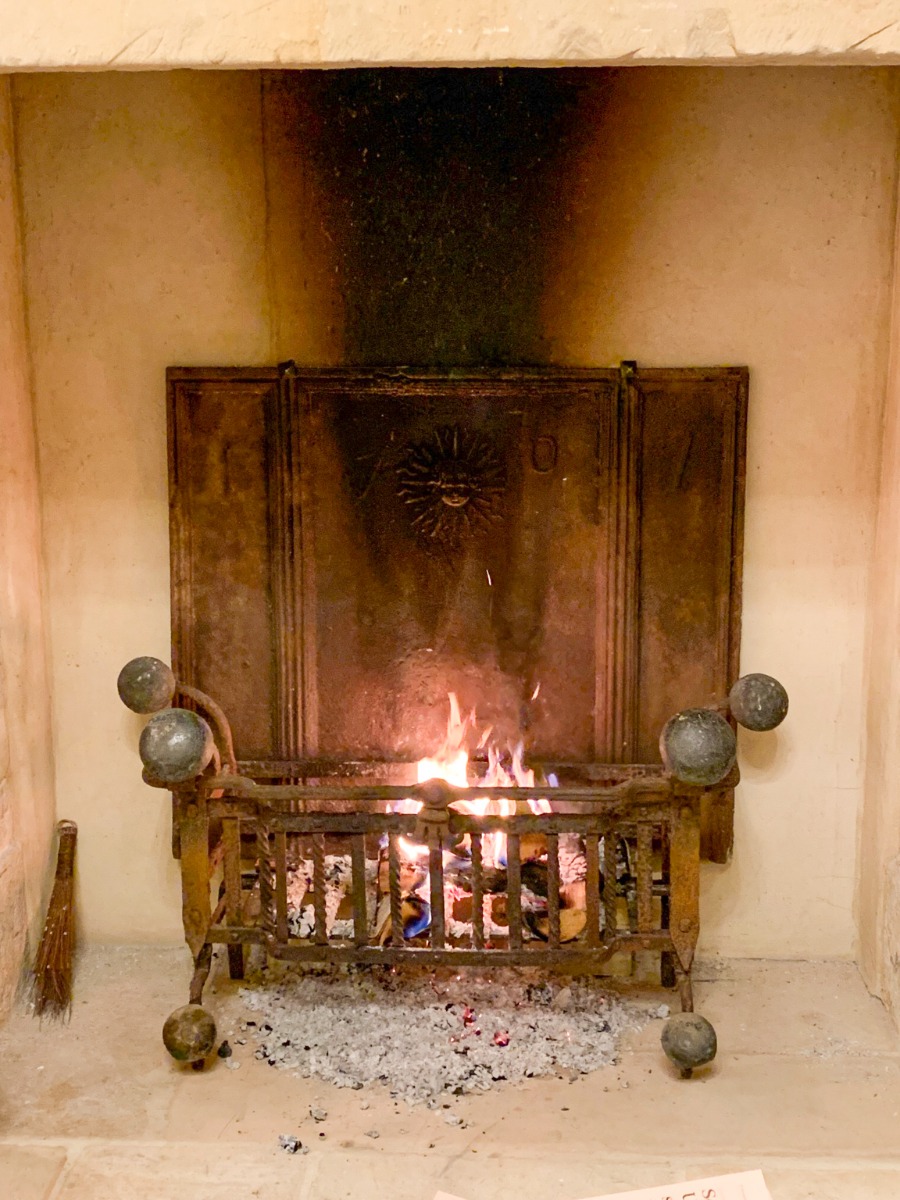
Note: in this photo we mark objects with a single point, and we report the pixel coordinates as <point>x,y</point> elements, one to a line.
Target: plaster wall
<point>748,218</point>
<point>26,776</point>
<point>879,883</point>
<point>145,225</point>
<point>105,34</point>
<point>704,217</point>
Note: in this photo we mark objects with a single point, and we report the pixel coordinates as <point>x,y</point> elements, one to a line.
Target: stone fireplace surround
<point>114,264</point>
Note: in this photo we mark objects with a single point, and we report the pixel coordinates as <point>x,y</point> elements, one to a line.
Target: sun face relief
<point>453,484</point>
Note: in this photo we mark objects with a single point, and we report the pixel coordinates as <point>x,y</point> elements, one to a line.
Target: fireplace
<point>556,554</point>
<point>170,235</point>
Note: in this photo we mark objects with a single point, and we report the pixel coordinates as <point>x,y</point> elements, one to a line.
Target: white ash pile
<point>430,1035</point>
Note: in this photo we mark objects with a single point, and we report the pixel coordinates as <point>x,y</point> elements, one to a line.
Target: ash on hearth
<point>427,1035</point>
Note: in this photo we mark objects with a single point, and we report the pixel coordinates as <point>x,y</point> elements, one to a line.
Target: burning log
<point>458,873</point>
<point>535,877</point>
<point>572,922</point>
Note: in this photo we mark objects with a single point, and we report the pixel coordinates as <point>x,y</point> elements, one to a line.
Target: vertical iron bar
<point>477,893</point>
<point>610,884</point>
<point>318,851</point>
<point>360,908</point>
<point>592,887</point>
<point>684,896</point>
<point>667,976</point>
<point>436,880</point>
<point>281,922</point>
<point>514,890</point>
<point>645,878</point>
<point>553,889</point>
<point>266,881</point>
<point>394,887</point>
<point>231,841</point>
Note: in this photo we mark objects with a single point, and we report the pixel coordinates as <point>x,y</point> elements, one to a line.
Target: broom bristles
<point>51,990</point>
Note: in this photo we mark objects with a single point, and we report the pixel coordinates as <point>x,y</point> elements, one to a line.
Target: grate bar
<point>360,906</point>
<point>460,823</point>
<point>553,889</point>
<point>592,888</point>
<point>477,892</point>
<point>514,890</point>
<point>610,885</point>
<point>626,792</point>
<point>645,879</point>
<point>534,954</point>
<point>266,878</point>
<point>394,888</point>
<point>436,878</point>
<point>664,887</point>
<point>231,840</point>
<point>318,853</point>
<point>281,917</point>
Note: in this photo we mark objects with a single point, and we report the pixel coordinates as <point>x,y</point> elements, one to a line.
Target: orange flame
<point>451,764</point>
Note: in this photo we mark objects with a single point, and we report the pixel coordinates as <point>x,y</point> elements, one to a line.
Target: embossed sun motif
<point>453,483</point>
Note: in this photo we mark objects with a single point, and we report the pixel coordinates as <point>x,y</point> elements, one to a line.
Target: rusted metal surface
<point>216,716</point>
<point>231,846</point>
<point>647,812</point>
<point>318,853</point>
<point>348,546</point>
<point>684,895</point>
<point>195,852</point>
<point>652,903</point>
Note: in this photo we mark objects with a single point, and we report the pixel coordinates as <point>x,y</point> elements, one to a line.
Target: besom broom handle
<point>65,858</point>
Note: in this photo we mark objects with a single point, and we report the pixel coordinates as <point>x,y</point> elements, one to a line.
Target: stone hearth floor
<point>806,1086</point>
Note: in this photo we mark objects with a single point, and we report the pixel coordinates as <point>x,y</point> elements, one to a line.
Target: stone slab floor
<point>806,1086</point>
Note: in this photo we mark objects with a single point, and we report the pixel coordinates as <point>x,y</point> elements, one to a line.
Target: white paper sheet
<point>748,1185</point>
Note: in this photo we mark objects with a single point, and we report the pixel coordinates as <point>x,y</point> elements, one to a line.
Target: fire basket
<point>355,872</point>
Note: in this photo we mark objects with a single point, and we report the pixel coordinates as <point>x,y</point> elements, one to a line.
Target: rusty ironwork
<point>257,827</point>
<point>452,484</point>
<point>347,546</point>
<point>403,534</point>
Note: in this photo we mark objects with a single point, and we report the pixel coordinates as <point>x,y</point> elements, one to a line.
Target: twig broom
<point>51,985</point>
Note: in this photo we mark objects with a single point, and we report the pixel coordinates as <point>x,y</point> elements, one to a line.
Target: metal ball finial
<point>189,1033</point>
<point>146,685</point>
<point>698,746</point>
<point>689,1042</point>
<point>758,702</point>
<point>176,745</point>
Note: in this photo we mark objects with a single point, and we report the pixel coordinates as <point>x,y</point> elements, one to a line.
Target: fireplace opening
<point>558,547</point>
<point>553,553</point>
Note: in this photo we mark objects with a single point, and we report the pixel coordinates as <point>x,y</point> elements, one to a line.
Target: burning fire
<point>451,763</point>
